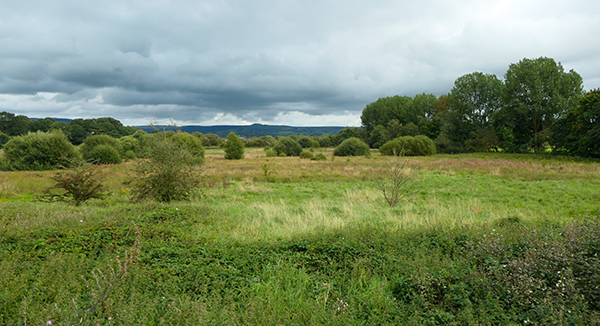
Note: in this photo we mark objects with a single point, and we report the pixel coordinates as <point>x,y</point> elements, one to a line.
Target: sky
<point>285,62</point>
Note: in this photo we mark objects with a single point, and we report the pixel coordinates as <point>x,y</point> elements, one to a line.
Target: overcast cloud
<point>290,62</point>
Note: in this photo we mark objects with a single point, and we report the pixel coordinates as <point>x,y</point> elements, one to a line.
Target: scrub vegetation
<point>485,239</point>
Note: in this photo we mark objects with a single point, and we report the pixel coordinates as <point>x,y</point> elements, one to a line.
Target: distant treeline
<point>76,130</point>
<point>255,130</point>
<point>537,107</point>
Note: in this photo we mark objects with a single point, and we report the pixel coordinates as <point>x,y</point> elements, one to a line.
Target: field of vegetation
<point>484,239</point>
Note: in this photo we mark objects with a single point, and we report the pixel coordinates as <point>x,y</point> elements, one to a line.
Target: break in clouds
<point>274,62</point>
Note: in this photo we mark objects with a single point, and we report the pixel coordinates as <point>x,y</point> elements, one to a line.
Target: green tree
<point>234,147</point>
<point>539,92</point>
<point>288,146</point>
<point>13,125</point>
<point>583,123</point>
<point>476,97</point>
<point>352,147</point>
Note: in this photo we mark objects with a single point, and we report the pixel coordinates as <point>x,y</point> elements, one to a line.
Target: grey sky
<point>275,62</point>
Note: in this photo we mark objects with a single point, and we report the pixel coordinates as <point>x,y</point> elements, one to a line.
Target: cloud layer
<point>276,62</point>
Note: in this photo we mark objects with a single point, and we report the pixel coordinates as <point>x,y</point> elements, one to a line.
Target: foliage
<point>4,138</point>
<point>287,146</point>
<point>38,151</point>
<point>583,123</point>
<point>103,154</point>
<point>538,91</point>
<point>130,143</point>
<point>234,147</point>
<point>80,183</point>
<point>319,157</point>
<point>307,142</point>
<point>307,154</point>
<point>398,180</point>
<point>170,172</point>
<point>110,151</point>
<point>270,152</point>
<point>410,146</point>
<point>352,147</point>
<point>186,142</point>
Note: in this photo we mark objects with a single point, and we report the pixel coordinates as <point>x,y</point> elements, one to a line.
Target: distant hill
<point>255,130</point>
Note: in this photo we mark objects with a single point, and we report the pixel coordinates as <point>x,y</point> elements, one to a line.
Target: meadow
<point>485,239</point>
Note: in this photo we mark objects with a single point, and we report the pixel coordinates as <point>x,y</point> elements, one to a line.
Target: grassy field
<point>486,239</point>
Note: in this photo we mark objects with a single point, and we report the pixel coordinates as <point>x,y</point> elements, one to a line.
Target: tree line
<point>537,107</point>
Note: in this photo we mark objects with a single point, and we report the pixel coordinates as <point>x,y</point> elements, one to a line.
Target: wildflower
<point>49,322</point>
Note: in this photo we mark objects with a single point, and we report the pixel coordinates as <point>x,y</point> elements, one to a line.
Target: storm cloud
<point>274,62</point>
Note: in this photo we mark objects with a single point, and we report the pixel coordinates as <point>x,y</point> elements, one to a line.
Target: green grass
<point>486,240</point>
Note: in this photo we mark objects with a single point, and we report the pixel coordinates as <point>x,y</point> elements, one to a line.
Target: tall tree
<point>540,92</point>
<point>477,96</point>
<point>583,123</point>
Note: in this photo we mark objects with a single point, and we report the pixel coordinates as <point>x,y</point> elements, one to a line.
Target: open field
<point>487,239</point>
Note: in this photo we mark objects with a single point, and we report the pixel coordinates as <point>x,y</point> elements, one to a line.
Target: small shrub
<point>234,147</point>
<point>282,154</point>
<point>81,183</point>
<point>352,147</point>
<point>398,181</point>
<point>104,154</point>
<point>270,152</point>
<point>412,146</point>
<point>186,142</point>
<point>307,154</point>
<point>38,151</point>
<point>288,146</point>
<point>169,174</point>
<point>319,157</point>
<point>130,143</point>
<point>130,155</point>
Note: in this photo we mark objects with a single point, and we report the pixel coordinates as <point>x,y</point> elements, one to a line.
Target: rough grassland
<point>487,239</point>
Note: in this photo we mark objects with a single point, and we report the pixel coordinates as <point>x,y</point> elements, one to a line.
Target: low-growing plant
<point>398,180</point>
<point>80,183</point>
<point>319,157</point>
<point>412,146</point>
<point>307,154</point>
<point>270,152</point>
<point>352,147</point>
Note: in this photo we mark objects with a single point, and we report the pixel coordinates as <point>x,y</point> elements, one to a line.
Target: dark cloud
<point>292,62</point>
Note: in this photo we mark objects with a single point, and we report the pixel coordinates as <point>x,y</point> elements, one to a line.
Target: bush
<point>80,183</point>
<point>270,152</point>
<point>288,146</point>
<point>130,143</point>
<point>234,147</point>
<point>4,138</point>
<point>170,172</point>
<point>307,154</point>
<point>352,147</point>
<point>186,142</point>
<point>38,151</point>
<point>104,154</point>
<point>411,146</point>
<point>319,157</point>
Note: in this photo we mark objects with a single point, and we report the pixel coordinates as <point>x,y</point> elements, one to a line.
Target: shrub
<point>185,142</point>
<point>4,138</point>
<point>169,174</point>
<point>319,157</point>
<point>282,154</point>
<point>270,152</point>
<point>411,146</point>
<point>130,143</point>
<point>352,147</point>
<point>397,182</point>
<point>234,147</point>
<point>80,183</point>
<point>307,154</point>
<point>288,146</point>
<point>98,156</point>
<point>38,151</point>
<point>104,154</point>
